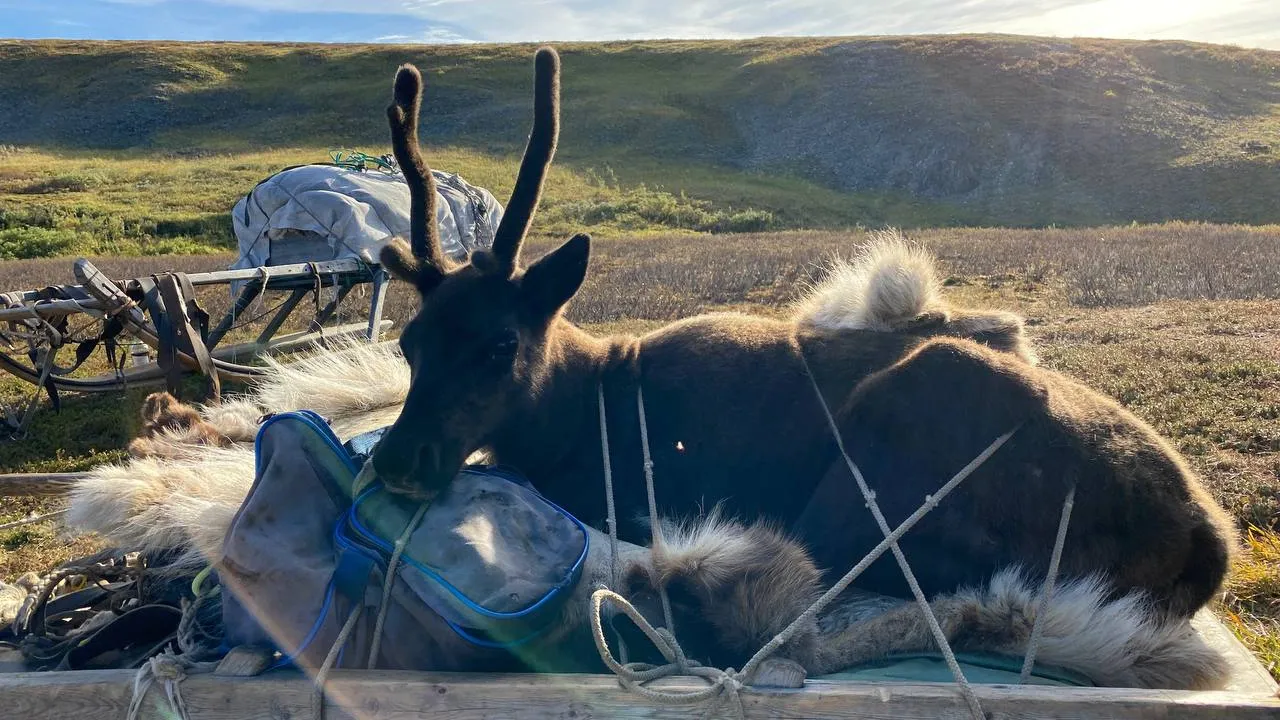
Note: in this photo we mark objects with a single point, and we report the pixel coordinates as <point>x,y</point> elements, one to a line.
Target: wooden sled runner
<point>160,312</point>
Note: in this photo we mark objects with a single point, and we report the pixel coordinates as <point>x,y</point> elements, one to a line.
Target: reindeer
<point>732,586</point>
<point>917,390</point>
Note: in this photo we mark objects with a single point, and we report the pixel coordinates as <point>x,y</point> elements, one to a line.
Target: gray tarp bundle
<point>327,212</point>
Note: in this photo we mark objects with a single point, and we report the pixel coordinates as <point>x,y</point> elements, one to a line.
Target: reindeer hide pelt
<point>737,586</point>
<point>183,494</point>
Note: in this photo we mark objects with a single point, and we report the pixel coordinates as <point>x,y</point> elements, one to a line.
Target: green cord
<point>356,160</point>
<point>197,584</point>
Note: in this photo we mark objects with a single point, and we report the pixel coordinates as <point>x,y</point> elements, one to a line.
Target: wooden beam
<point>348,269</point>
<point>38,484</point>
<point>296,340</point>
<point>392,695</point>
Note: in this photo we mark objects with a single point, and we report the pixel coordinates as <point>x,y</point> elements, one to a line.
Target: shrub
<point>34,242</point>
<point>69,182</point>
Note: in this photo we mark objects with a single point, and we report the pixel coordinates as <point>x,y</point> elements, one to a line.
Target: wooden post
<point>330,308</point>
<point>380,279</point>
<point>247,295</point>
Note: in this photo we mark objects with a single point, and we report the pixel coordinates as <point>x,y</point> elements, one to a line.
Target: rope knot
<point>733,680</point>
<point>167,667</point>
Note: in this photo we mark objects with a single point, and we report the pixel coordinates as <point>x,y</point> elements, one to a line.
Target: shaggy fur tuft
<point>742,583</point>
<point>191,470</point>
<point>736,586</point>
<point>889,284</point>
<point>892,286</point>
<point>237,419</point>
<point>167,424</point>
<point>159,503</point>
<point>1116,643</point>
<point>346,379</point>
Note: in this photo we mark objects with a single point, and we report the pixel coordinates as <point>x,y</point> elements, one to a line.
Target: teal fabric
<point>489,566</point>
<point>979,668</point>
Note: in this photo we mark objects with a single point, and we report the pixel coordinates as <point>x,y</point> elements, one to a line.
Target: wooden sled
<point>160,312</point>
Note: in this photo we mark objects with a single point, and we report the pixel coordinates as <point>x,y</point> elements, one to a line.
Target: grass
<point>146,203</point>
<point>143,147</point>
<point>1252,602</point>
<point>1196,358</point>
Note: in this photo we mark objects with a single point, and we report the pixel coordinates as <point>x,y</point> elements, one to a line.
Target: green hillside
<point>145,146</point>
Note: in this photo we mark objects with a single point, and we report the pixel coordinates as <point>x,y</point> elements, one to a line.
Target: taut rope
<point>729,683</point>
<point>1037,628</point>
<point>393,564</point>
<point>938,635</point>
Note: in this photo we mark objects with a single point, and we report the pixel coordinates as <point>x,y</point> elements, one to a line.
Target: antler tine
<point>424,234</point>
<point>537,158</point>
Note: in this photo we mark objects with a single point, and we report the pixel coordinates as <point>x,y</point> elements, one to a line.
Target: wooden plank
<point>49,309</point>
<point>346,269</point>
<point>1247,674</point>
<point>295,340</point>
<point>150,375</point>
<point>37,484</point>
<point>381,278</point>
<point>392,695</point>
<point>247,295</point>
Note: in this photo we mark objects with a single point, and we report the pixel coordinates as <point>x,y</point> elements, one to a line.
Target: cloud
<point>1247,22</point>
<point>439,35</point>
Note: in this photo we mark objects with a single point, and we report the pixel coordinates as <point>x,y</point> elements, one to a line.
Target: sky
<point>1250,23</point>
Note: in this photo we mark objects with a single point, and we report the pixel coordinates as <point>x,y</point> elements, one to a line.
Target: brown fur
<point>733,419</point>
<point>166,420</point>
<point>734,587</point>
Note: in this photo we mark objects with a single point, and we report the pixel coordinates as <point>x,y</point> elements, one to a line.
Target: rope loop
<point>722,685</point>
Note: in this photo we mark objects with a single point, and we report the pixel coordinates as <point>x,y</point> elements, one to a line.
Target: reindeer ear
<point>399,260</point>
<point>555,277</point>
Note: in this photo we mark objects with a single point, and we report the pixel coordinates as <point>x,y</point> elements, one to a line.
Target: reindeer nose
<point>394,460</point>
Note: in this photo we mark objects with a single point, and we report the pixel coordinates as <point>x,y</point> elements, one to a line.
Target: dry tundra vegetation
<point>1180,322</point>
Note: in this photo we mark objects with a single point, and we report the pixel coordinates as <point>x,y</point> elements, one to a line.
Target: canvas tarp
<point>328,212</point>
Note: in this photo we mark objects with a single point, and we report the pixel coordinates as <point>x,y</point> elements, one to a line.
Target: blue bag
<point>483,578</point>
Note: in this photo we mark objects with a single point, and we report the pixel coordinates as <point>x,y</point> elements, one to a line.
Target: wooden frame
<point>375,695</point>
<point>379,695</point>
<point>99,296</point>
<point>397,695</point>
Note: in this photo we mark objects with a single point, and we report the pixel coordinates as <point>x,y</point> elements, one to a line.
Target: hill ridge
<point>1004,129</point>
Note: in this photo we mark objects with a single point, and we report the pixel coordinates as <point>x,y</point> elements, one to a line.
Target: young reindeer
<point>917,389</point>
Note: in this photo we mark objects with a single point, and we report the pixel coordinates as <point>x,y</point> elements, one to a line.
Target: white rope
<point>169,669</point>
<point>632,676</point>
<point>729,682</point>
<point>612,517</point>
<point>653,505</point>
<point>261,300</point>
<point>172,668</point>
<point>1033,646</point>
<point>389,581</point>
<point>34,519</point>
<point>939,636</point>
<point>317,693</point>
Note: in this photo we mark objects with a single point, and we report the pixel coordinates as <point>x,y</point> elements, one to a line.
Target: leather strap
<point>170,303</point>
